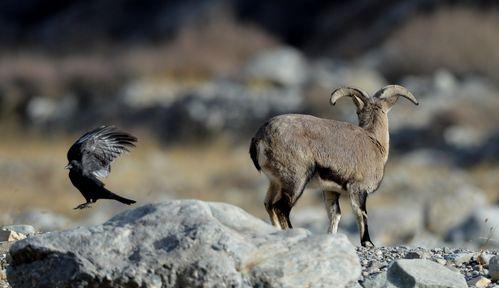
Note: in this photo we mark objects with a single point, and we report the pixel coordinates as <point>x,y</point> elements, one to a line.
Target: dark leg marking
<point>358,200</point>
<point>272,193</point>
<point>282,209</point>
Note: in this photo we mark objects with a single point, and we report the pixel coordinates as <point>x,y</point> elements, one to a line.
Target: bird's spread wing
<point>98,148</point>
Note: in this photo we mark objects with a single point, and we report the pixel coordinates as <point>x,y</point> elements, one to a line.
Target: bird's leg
<point>83,206</point>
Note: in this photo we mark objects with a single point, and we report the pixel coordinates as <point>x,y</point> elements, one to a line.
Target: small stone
<point>484,259</point>
<point>7,235</point>
<point>23,229</point>
<point>375,281</point>
<point>452,268</point>
<point>373,267</point>
<point>441,261</point>
<point>494,268</point>
<point>480,282</point>
<point>423,273</point>
<point>463,258</point>
<point>414,255</point>
<point>373,270</point>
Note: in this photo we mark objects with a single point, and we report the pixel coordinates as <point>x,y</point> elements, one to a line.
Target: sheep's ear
<point>390,94</point>
<point>359,97</point>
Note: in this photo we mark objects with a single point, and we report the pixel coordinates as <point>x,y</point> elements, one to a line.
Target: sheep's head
<point>381,101</point>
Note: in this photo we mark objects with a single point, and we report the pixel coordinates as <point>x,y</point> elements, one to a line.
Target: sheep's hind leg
<point>270,199</point>
<point>282,208</point>
<point>358,201</point>
<point>332,203</point>
<point>288,197</point>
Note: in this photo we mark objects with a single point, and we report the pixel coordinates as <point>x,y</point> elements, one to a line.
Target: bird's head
<point>72,165</point>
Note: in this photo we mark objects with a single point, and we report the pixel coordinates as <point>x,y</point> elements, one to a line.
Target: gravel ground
<point>471,264</point>
<point>4,248</point>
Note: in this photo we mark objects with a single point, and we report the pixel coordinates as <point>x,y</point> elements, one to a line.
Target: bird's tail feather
<point>111,195</point>
<point>124,200</point>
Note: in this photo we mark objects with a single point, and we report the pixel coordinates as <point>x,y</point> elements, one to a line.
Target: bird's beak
<point>68,166</point>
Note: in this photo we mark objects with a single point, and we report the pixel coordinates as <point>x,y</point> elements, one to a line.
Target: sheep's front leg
<point>332,203</point>
<point>358,200</point>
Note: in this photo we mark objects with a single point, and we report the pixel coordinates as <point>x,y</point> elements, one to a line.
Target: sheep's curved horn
<point>395,91</point>
<point>348,91</point>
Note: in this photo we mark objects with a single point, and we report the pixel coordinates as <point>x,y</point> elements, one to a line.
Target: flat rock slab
<point>7,235</point>
<point>494,268</point>
<point>183,243</point>
<point>21,229</point>
<point>423,273</point>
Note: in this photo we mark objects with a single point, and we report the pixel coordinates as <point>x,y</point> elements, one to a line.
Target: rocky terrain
<point>182,244</point>
<point>190,243</point>
<point>4,250</point>
<point>379,266</point>
<point>440,187</point>
<point>193,80</point>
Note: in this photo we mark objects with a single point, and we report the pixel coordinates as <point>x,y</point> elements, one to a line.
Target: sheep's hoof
<point>368,244</point>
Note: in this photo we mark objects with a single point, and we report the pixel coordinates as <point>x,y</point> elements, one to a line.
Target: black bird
<point>90,158</point>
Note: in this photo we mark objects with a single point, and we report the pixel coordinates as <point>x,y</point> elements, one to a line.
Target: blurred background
<point>194,80</point>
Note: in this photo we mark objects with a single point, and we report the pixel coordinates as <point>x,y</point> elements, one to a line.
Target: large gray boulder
<point>42,220</point>
<point>285,66</point>
<point>494,268</point>
<point>4,248</point>
<point>445,211</point>
<point>423,273</point>
<point>211,108</point>
<point>183,243</point>
<point>478,228</point>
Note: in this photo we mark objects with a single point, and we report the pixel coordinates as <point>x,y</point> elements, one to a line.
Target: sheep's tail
<point>254,153</point>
